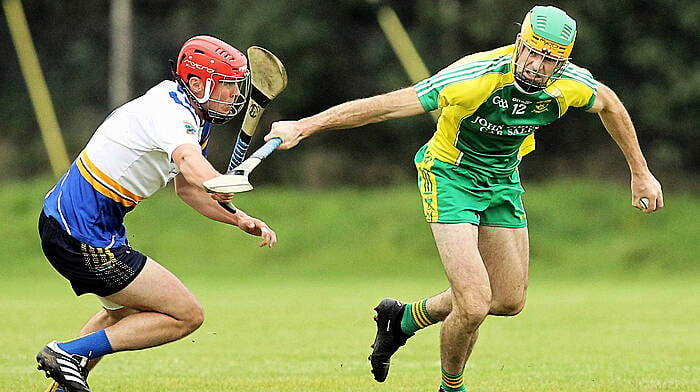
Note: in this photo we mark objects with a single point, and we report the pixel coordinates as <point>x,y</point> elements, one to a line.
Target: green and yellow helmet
<point>543,47</point>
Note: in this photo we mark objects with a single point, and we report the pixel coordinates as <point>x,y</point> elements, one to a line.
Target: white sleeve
<point>173,127</point>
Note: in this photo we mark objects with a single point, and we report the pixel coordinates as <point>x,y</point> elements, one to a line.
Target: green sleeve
<point>427,94</point>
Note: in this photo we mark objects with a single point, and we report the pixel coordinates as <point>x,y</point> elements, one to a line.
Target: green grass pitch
<point>299,317</point>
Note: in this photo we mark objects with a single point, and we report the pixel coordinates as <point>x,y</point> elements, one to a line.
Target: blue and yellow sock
<point>452,383</point>
<point>93,345</point>
<point>415,317</point>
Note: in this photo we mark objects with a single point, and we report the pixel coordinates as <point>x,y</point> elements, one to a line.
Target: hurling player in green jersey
<point>491,103</point>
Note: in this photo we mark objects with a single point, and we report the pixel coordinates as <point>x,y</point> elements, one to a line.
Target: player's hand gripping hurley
<point>269,78</point>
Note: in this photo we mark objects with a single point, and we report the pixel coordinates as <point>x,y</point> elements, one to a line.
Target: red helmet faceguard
<point>214,62</point>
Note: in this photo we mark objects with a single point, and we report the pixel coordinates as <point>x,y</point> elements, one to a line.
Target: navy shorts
<point>102,271</point>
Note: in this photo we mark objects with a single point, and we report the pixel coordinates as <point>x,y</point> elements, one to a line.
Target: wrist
<point>639,170</point>
<point>310,125</point>
<point>637,165</point>
<point>239,217</point>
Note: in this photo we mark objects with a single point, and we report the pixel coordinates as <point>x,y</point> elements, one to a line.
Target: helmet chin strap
<point>189,92</point>
<point>208,88</point>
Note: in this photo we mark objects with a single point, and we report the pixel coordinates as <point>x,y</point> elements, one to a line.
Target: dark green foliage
<point>335,51</point>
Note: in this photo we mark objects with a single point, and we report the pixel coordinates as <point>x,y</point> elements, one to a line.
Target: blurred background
<point>336,51</point>
<point>613,304</point>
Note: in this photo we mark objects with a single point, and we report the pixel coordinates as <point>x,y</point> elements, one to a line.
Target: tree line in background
<point>335,51</point>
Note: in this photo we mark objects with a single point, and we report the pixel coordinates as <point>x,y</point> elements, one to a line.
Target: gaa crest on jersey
<point>542,106</point>
<point>189,128</point>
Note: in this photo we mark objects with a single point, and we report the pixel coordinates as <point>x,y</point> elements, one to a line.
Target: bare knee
<point>508,306</point>
<point>191,319</point>
<point>472,309</point>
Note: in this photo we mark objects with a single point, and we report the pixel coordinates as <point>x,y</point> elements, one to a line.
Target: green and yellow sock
<point>54,387</point>
<point>415,317</point>
<point>452,383</point>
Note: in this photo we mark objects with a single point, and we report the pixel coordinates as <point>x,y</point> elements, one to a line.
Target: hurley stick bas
<point>236,181</point>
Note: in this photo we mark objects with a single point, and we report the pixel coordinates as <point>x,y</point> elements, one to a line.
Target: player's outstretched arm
<point>194,170</point>
<point>206,205</point>
<point>619,125</point>
<point>352,114</point>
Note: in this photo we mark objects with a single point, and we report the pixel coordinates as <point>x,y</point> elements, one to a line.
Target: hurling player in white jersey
<point>158,137</point>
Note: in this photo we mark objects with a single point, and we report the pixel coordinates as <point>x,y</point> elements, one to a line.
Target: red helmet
<point>213,61</point>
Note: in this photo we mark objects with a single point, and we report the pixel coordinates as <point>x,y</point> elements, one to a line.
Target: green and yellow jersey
<point>486,119</point>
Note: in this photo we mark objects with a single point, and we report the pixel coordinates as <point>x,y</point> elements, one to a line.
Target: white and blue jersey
<point>126,161</point>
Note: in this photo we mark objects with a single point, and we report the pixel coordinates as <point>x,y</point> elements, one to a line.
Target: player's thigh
<point>457,244</point>
<point>505,253</point>
<point>157,289</point>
